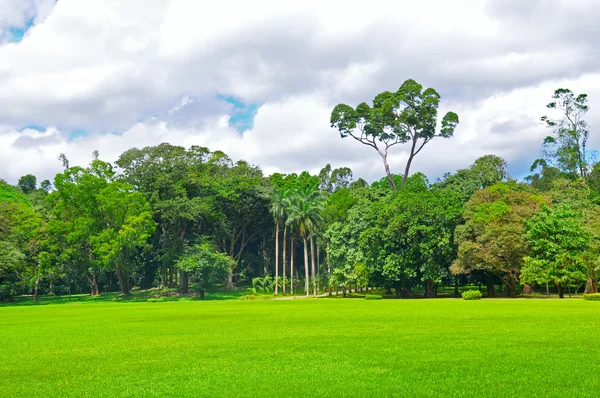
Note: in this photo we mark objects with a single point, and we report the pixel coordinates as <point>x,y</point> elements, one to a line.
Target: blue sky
<point>242,115</point>
<point>17,34</point>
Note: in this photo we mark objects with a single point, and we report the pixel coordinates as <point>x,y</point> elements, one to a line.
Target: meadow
<point>314,347</point>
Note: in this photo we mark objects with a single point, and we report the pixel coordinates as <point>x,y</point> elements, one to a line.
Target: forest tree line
<point>193,219</point>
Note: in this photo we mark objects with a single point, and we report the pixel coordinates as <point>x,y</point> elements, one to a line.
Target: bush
<point>592,296</point>
<point>472,295</point>
<point>156,300</point>
<point>373,297</point>
<point>7,291</point>
<point>248,297</point>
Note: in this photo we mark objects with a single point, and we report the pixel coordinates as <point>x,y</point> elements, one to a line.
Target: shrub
<point>7,291</point>
<point>592,296</point>
<point>156,300</point>
<point>471,295</point>
<point>373,297</point>
<point>248,297</point>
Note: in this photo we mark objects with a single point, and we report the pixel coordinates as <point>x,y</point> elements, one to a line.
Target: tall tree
<point>278,212</point>
<point>407,115</point>
<point>305,212</point>
<point>567,146</point>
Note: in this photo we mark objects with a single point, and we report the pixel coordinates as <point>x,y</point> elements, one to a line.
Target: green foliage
<point>407,115</point>
<point>558,243</point>
<point>27,183</point>
<point>592,296</point>
<point>492,238</point>
<point>567,146</point>
<point>207,265</point>
<point>373,297</point>
<point>472,295</point>
<point>7,291</point>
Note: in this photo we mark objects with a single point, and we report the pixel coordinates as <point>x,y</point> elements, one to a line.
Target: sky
<point>258,80</point>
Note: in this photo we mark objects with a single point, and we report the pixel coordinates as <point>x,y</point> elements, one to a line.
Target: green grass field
<point>302,348</point>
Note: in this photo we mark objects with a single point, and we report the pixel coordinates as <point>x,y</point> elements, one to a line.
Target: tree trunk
<point>202,294</point>
<point>306,276</point>
<point>591,286</point>
<point>456,293</point>
<point>123,282</point>
<point>388,173</point>
<point>511,290</point>
<point>411,156</point>
<point>312,265</point>
<point>164,274</point>
<point>329,273</point>
<point>527,289</point>
<point>36,288</point>
<point>292,265</point>
<point>93,285</point>
<point>547,290</point>
<point>183,281</point>
<point>344,291</point>
<point>429,288</point>
<point>491,289</point>
<point>51,292</point>
<point>229,282</point>
<point>318,266</point>
<point>561,291</point>
<point>283,264</point>
<point>276,257</point>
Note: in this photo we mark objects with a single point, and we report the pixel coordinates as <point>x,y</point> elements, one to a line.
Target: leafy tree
<point>567,146</point>
<point>544,175</point>
<point>558,242</point>
<point>486,171</point>
<point>27,183</point>
<point>334,179</point>
<point>492,238</point>
<point>407,115</point>
<point>128,225</point>
<point>413,236</point>
<point>207,266</point>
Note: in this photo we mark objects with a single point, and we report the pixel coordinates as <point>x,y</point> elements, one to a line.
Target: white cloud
<point>141,72</point>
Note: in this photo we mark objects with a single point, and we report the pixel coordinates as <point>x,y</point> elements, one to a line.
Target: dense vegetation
<point>193,220</point>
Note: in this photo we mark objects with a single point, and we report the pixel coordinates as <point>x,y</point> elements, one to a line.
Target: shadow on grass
<point>137,296</point>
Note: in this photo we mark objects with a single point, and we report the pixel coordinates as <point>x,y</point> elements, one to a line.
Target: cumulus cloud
<point>142,72</point>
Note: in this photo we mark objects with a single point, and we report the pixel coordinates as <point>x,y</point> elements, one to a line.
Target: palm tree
<point>305,213</point>
<point>278,212</point>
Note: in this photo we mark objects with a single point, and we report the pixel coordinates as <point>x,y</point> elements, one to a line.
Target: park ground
<point>301,348</point>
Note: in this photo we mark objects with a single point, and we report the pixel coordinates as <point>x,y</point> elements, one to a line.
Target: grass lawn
<point>302,348</point>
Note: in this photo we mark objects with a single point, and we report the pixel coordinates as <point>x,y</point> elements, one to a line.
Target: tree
<point>486,171</point>
<point>567,146</point>
<point>407,115</point>
<point>558,242</point>
<point>305,213</point>
<point>128,225</point>
<point>492,237</point>
<point>279,213</point>
<point>27,184</point>
<point>334,179</point>
<point>574,195</point>
<point>208,266</point>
